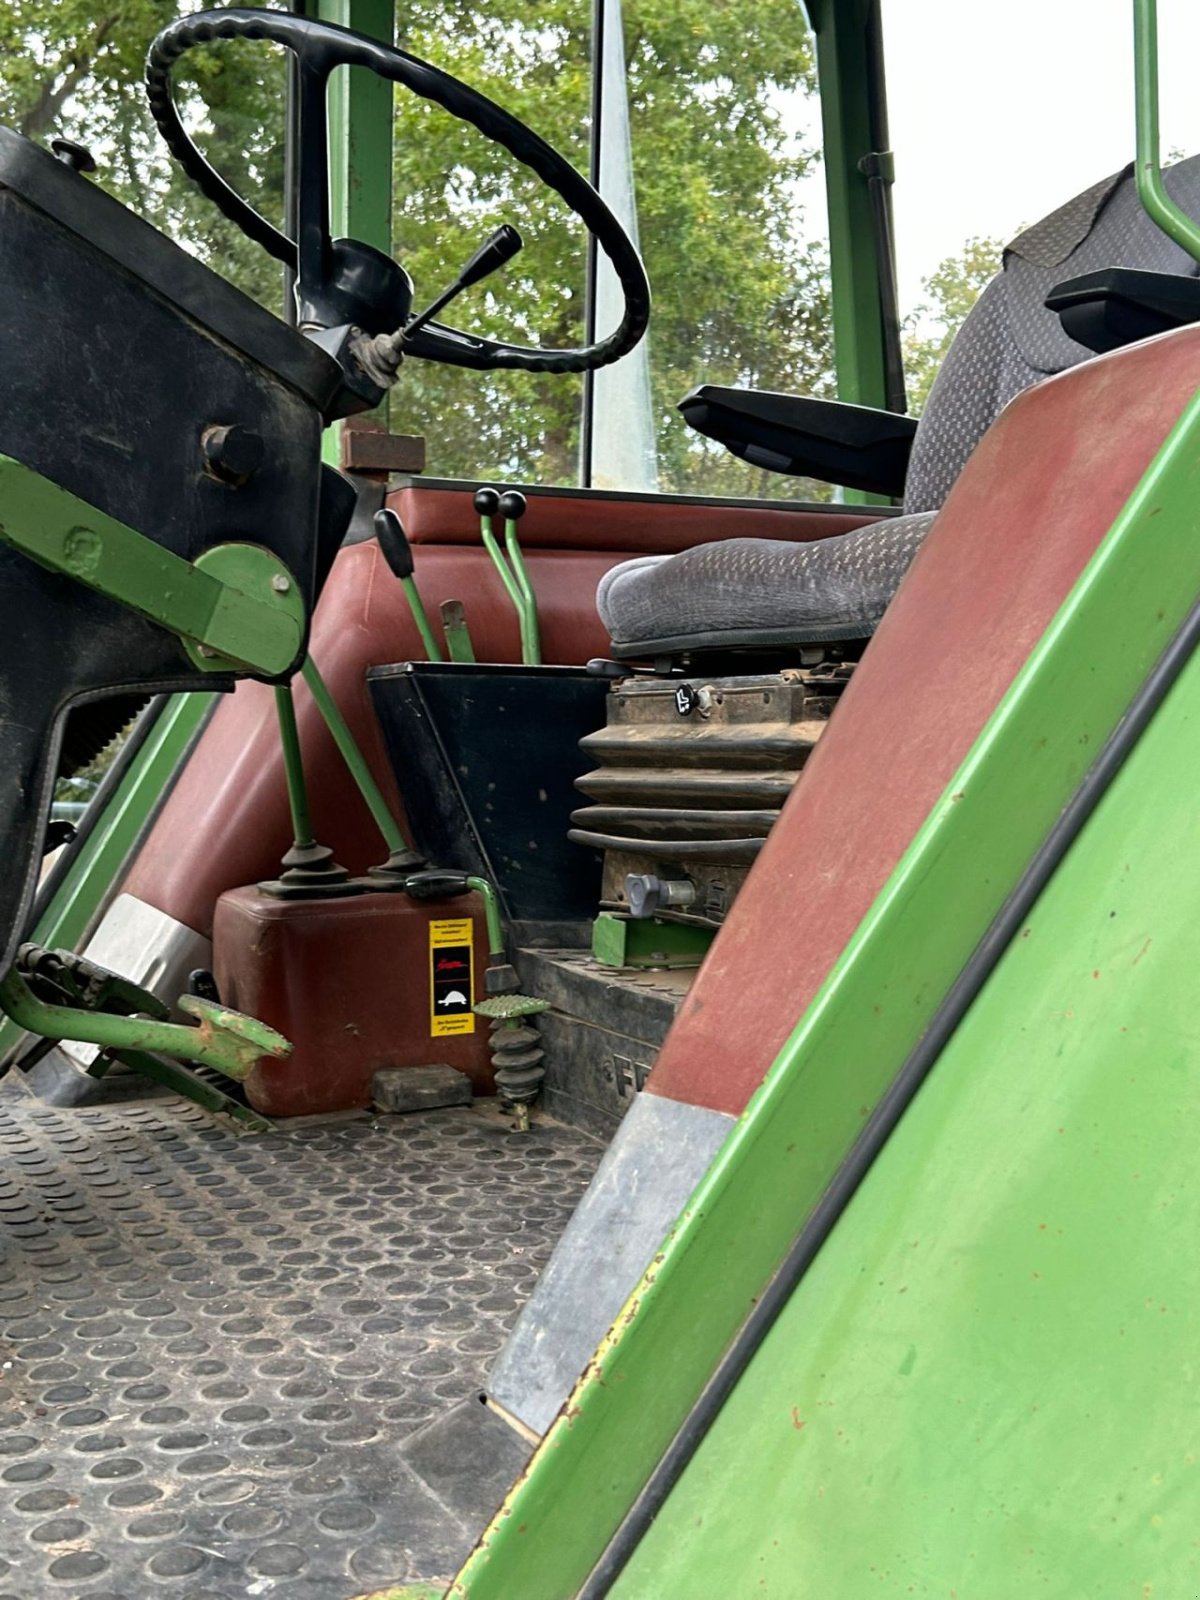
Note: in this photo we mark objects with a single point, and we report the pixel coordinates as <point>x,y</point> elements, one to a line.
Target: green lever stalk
<point>353,757</point>
<point>1152,191</point>
<point>224,1039</point>
<point>491,914</point>
<point>293,767</point>
<point>419,615</point>
<point>531,644</point>
<point>506,577</point>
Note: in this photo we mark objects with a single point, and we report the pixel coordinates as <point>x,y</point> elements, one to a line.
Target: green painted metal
<point>458,634</point>
<point>360,131</point>
<point>237,614</point>
<point>1174,222</point>
<point>987,1380</point>
<point>407,1591</point>
<point>510,1008</point>
<point>619,941</point>
<point>851,1042</point>
<point>516,582</point>
<point>531,641</point>
<point>353,757</point>
<point>491,913</point>
<point>840,28</point>
<point>73,911</point>
<point>361,120</point>
<point>293,767</point>
<point>421,618</point>
<point>190,1085</point>
<point>225,1039</point>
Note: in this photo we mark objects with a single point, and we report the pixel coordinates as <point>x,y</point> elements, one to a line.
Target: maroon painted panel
<point>606,521</point>
<point>226,822</point>
<point>1037,497</point>
<point>347,981</point>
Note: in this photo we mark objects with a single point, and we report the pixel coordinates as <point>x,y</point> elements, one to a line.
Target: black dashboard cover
<point>117,352</point>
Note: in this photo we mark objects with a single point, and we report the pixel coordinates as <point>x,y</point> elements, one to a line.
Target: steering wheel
<point>319,47</point>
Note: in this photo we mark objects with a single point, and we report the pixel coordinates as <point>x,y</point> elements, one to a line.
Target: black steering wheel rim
<point>319,48</point>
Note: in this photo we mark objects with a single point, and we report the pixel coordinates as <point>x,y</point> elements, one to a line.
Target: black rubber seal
<point>890,1109</point>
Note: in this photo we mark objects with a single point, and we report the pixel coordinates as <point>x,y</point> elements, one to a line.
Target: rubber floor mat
<point>211,1345</point>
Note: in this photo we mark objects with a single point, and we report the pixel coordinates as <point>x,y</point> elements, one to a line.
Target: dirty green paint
<point>648,942</point>
<point>408,1591</point>
<point>227,1040</point>
<point>182,1081</point>
<point>987,1382</point>
<point>457,632</point>
<point>851,1042</point>
<point>232,610</point>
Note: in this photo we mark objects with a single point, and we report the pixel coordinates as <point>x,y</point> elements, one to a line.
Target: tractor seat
<point>756,593</point>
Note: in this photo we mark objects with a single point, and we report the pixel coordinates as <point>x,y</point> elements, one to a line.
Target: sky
<point>1000,110</point>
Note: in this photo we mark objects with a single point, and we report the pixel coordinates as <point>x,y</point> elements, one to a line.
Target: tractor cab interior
<point>479,846</point>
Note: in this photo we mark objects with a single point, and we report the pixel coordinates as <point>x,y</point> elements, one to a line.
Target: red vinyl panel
<point>1037,497</point>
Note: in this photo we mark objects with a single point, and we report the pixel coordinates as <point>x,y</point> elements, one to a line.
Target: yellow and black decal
<point>451,977</point>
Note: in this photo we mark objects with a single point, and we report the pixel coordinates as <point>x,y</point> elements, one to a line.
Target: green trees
<point>740,296</point>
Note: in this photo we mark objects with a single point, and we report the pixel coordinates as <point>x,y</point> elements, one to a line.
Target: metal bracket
<point>224,1039</point>
<point>236,605</point>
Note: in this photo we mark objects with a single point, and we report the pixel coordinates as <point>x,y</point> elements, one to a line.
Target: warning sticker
<point>451,977</point>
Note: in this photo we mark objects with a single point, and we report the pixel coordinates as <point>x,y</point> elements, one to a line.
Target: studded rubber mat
<point>212,1345</point>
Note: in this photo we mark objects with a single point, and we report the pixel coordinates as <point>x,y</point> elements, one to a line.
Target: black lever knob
<point>393,541</point>
<point>512,505</point>
<point>487,502</point>
<point>76,156</point>
<point>436,883</point>
<point>501,247</point>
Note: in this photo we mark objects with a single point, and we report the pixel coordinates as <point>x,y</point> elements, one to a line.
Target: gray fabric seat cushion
<point>757,591</point>
<point>744,592</point>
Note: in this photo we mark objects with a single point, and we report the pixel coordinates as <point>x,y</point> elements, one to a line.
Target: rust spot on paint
<point>1095,972</point>
<point>1025,932</point>
<point>797,1420</point>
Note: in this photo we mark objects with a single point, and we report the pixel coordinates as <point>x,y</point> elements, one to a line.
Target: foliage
<point>952,290</point>
<point>739,297</point>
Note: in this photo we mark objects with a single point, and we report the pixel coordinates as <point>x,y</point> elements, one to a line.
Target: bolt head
<point>280,583</point>
<point>232,454</point>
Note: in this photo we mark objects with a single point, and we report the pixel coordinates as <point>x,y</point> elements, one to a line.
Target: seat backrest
<point>1009,340</point>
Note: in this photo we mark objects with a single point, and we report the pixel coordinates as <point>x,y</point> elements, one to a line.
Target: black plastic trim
<point>77,204</point>
<point>856,446</point>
